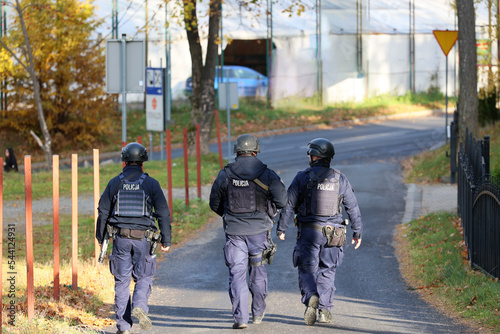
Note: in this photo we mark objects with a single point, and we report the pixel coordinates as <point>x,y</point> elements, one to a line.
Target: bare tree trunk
<point>203,76</point>
<point>467,102</point>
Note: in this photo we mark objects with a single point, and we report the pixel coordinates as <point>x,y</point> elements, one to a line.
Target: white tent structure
<point>339,50</point>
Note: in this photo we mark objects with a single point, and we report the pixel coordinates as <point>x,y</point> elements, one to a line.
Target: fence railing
<point>479,205</point>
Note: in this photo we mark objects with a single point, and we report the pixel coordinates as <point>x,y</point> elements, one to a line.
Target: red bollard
<point>55,219</point>
<point>169,173</point>
<point>198,160</point>
<point>74,220</point>
<point>30,288</point>
<point>186,175</point>
<point>218,138</point>
<point>139,139</point>
<point>1,231</point>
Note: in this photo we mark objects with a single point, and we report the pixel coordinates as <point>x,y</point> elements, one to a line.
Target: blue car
<point>250,82</point>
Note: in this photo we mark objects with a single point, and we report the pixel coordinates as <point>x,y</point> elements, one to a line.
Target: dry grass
<point>86,309</point>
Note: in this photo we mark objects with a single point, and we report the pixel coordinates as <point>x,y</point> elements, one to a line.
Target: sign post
<point>155,113</point>
<point>228,99</point>
<point>446,40</point>
<point>155,116</point>
<point>125,71</point>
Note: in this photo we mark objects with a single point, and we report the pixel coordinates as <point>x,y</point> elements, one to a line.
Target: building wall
<point>385,67</point>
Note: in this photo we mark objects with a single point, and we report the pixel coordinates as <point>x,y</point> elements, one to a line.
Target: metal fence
<point>479,205</point>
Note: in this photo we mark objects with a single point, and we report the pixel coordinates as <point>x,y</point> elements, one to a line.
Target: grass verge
<point>433,259</point>
<point>432,252</point>
<point>430,166</point>
<point>89,308</point>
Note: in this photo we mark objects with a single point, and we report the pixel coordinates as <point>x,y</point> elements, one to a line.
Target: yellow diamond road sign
<point>446,39</point>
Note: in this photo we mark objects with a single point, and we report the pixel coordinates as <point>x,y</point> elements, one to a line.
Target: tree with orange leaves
<point>55,70</point>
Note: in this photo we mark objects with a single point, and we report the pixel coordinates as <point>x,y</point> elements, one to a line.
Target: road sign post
<point>446,40</point>
<point>228,99</point>
<point>155,114</point>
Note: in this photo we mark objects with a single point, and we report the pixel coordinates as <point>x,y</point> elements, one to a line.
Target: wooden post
<point>218,138</point>
<point>169,173</point>
<point>74,220</point>
<point>198,161</point>
<point>97,191</point>
<point>186,173</point>
<point>30,288</point>
<point>55,219</point>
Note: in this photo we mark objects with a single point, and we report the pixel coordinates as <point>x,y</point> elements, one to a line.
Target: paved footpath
<point>422,199</point>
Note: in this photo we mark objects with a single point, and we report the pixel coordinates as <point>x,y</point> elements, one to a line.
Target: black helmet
<point>247,144</point>
<point>134,152</point>
<point>321,147</point>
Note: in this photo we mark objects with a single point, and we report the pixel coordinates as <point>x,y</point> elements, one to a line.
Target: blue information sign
<point>155,114</point>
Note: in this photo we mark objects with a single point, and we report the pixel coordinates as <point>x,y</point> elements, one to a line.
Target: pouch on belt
<point>336,236</point>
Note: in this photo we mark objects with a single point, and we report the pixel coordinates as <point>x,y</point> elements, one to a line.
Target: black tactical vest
<point>244,196</point>
<point>321,197</point>
<point>131,199</point>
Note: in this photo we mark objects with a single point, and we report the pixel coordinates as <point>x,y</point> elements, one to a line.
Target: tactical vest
<point>244,196</point>
<point>321,197</point>
<point>131,199</point>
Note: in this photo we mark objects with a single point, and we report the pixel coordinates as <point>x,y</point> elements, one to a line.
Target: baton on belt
<point>104,245</point>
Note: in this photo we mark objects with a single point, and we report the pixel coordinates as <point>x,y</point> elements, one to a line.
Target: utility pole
<point>146,27</point>
<point>319,60</point>
<point>114,19</point>
<point>269,50</point>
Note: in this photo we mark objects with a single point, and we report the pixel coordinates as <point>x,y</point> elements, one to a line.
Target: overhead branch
<point>14,55</point>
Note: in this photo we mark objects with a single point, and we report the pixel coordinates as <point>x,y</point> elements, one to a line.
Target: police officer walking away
<point>247,194</point>
<point>315,196</point>
<point>127,211</point>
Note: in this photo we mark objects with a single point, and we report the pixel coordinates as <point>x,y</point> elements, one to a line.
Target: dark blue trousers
<point>131,258</point>
<point>316,266</point>
<point>237,252</point>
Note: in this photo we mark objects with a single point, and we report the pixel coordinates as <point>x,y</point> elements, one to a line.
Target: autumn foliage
<point>70,64</point>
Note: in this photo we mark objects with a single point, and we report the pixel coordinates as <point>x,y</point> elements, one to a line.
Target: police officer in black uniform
<point>247,194</point>
<point>128,208</point>
<point>315,196</point>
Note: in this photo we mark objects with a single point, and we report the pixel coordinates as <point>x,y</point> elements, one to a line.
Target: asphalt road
<point>190,289</point>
